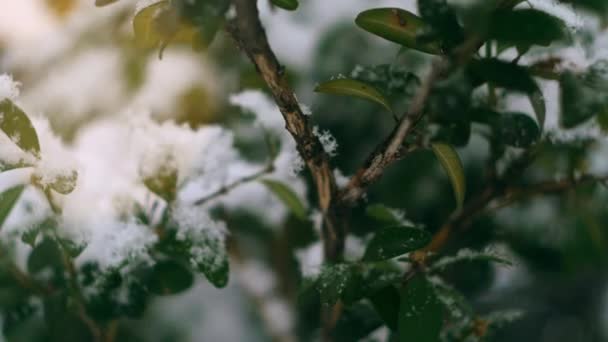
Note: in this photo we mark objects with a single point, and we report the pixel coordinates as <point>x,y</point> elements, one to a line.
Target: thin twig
<point>229,187</point>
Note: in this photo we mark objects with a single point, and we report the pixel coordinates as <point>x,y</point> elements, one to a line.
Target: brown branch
<point>507,196</point>
<point>248,32</point>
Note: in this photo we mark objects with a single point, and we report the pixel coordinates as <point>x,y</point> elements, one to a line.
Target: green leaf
<point>453,167</point>
<point>420,312</point>
<point>351,87</point>
<point>355,323</point>
<point>203,247</point>
<point>101,3</point>
<point>443,19</point>
<point>538,104</point>
<point>398,26</point>
<point>517,129</point>
<point>394,241</point>
<point>15,123</point>
<point>163,182</point>
<point>72,248</point>
<point>159,24</point>
<point>46,255</point>
<point>334,281</point>
<point>454,302</point>
<point>207,16</point>
<point>526,27</point>
<point>8,200</point>
<point>29,236</point>
<point>287,196</point>
<point>502,74</point>
<point>169,277</point>
<point>386,303</point>
<point>216,270</point>
<point>290,5</point>
<point>467,255</point>
<point>382,213</point>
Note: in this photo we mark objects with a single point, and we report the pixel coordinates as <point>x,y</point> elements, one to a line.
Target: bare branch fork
<point>392,149</point>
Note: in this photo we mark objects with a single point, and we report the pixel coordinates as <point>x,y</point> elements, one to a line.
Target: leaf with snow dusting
<point>420,312</point>
<point>467,255</point>
<point>334,282</point>
<point>394,241</point>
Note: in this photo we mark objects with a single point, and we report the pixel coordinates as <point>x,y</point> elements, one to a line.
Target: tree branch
<point>392,148</point>
<point>248,32</point>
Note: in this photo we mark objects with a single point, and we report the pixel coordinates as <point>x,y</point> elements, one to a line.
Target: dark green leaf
<point>8,200</point>
<point>382,213</point>
<point>169,277</point>
<point>398,26</point>
<point>334,281</point>
<point>72,248</point>
<point>443,20</point>
<point>420,312</point>
<point>355,323</point>
<point>290,5</point>
<point>394,241</point>
<point>502,74</point>
<point>526,27</point>
<point>350,87</point>
<point>15,123</point>
<point>44,256</point>
<point>386,303</point>
<point>287,196</point>
<point>30,235</point>
<point>466,255</point>
<point>517,129</point>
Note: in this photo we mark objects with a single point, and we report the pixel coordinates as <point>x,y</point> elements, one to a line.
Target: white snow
<point>9,89</point>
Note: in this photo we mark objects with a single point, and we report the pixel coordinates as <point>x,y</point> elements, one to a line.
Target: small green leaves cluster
<point>416,307</point>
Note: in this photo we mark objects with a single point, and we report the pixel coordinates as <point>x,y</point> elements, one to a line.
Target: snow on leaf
<point>468,255</point>
<point>394,241</point>
<point>334,281</point>
<point>205,239</point>
<point>420,312</point>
